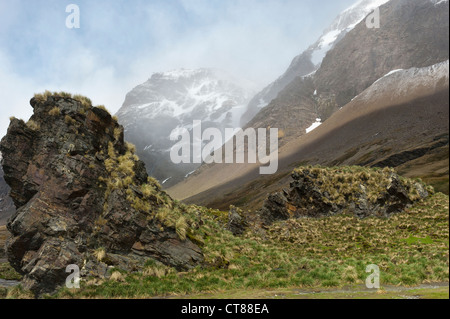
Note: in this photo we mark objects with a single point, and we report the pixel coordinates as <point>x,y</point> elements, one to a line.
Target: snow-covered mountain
<point>343,23</point>
<point>309,61</point>
<point>412,33</point>
<point>173,100</point>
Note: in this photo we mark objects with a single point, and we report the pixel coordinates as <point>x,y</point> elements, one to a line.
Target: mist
<point>119,45</point>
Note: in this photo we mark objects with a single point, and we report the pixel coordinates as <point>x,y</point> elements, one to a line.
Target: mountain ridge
<point>169,102</point>
<point>309,61</point>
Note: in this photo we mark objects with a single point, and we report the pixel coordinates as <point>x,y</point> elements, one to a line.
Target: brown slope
<point>382,123</point>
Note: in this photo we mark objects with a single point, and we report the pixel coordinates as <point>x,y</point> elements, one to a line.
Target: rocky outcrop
<point>237,221</point>
<point>318,192</point>
<point>82,197</point>
<point>6,204</point>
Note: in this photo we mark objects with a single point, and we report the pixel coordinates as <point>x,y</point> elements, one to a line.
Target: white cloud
<point>15,94</point>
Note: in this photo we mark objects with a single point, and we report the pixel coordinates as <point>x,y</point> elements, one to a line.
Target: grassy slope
<point>410,249</point>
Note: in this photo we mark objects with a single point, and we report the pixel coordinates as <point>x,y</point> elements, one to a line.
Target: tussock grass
<point>345,183</point>
<point>100,254</point>
<point>326,252</point>
<point>54,111</point>
<point>42,98</point>
<point>33,125</point>
<point>18,292</point>
<point>69,120</point>
<point>8,273</point>
<point>117,276</point>
<point>102,107</point>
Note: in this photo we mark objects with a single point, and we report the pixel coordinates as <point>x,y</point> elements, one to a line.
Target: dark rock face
<point>6,204</point>
<point>237,222</point>
<point>61,169</point>
<point>314,192</point>
<point>310,60</point>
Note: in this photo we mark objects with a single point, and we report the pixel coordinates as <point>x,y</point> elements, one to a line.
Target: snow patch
<point>437,2</point>
<point>344,23</point>
<point>190,173</point>
<point>388,74</point>
<point>315,125</point>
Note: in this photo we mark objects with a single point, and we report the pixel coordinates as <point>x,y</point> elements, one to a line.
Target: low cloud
<point>121,43</point>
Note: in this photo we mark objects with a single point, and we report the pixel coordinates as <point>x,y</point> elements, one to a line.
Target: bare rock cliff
<point>82,197</point>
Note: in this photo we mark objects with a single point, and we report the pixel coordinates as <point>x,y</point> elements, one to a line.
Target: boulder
<point>77,186</point>
<point>237,221</point>
<point>319,192</point>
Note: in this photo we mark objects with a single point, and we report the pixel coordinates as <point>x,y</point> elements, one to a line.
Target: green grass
<point>410,248</point>
<point>8,273</point>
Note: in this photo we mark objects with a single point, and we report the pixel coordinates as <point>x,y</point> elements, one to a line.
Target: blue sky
<point>120,44</point>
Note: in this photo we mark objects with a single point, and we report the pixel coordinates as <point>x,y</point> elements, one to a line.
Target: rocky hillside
<point>310,60</point>
<point>6,204</point>
<point>84,198</point>
<point>172,100</point>
<point>413,33</point>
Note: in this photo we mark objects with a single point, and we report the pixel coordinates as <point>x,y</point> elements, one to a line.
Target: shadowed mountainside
<point>400,121</point>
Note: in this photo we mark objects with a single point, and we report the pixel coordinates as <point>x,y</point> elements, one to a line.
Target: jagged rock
<point>237,222</point>
<point>77,186</point>
<point>319,192</point>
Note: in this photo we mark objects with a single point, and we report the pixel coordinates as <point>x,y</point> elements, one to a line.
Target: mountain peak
<point>343,23</point>
<point>173,100</point>
<point>310,60</point>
